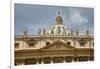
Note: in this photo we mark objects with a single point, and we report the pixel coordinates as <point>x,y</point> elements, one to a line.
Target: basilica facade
<point>58,44</point>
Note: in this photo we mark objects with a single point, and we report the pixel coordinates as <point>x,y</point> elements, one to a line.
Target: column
<point>73,59</point>
<point>37,61</point>
<point>64,61</point>
<point>22,62</point>
<point>77,58</point>
<point>42,60</point>
<point>51,60</point>
<point>88,58</point>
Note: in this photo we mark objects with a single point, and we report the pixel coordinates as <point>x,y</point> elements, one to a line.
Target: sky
<point>34,17</point>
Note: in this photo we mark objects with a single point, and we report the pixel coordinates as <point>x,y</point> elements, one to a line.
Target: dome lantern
<point>59,20</point>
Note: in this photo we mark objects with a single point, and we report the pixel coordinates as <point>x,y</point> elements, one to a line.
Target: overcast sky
<point>34,17</point>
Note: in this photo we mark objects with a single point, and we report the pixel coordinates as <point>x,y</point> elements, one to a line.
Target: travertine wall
<point>42,42</point>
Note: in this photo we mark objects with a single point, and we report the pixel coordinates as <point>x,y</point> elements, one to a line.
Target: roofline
<point>53,36</point>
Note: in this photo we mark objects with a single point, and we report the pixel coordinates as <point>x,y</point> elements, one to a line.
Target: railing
<point>39,36</point>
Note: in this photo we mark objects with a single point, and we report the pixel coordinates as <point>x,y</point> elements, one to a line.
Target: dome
<point>59,30</point>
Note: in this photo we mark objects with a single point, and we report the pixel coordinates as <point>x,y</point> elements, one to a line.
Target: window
<point>47,43</point>
<point>16,45</point>
<point>68,33</point>
<point>31,44</point>
<point>52,31</point>
<point>93,44</point>
<point>63,28</point>
<point>59,30</point>
<point>82,42</point>
<point>68,43</point>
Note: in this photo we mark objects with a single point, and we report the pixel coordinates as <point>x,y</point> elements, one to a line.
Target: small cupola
<point>59,20</point>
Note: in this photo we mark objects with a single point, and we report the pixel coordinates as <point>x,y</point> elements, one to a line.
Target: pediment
<point>58,45</point>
